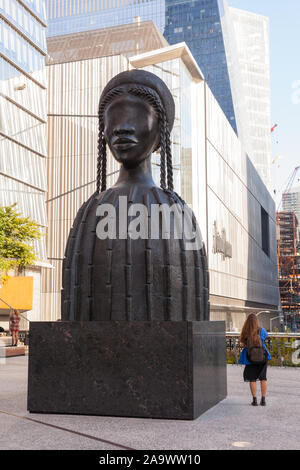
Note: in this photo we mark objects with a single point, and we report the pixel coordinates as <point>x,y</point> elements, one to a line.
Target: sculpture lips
<point>124,142</point>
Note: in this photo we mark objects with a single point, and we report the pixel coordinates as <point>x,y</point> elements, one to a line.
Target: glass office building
<point>199,24</point>
<point>250,79</point>
<point>23,116</point>
<point>231,46</point>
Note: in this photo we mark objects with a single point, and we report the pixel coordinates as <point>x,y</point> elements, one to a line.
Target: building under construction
<point>288,265</point>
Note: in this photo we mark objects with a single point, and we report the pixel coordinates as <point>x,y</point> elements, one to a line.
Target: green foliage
<point>16,236</point>
<point>230,359</point>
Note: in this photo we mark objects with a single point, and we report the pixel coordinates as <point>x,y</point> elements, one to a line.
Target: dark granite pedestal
<point>173,370</point>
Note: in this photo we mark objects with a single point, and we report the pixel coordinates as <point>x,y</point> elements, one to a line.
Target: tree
<point>16,236</point>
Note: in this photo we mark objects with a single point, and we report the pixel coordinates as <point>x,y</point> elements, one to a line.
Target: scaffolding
<point>288,264</point>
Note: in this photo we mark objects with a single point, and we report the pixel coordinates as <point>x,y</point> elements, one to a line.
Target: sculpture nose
<point>122,130</point>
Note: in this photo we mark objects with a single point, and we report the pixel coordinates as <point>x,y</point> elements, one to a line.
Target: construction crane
<point>288,186</point>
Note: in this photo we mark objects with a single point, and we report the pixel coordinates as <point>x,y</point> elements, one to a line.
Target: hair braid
<point>104,165</point>
<point>162,158</point>
<point>102,159</point>
<point>153,99</point>
<point>169,159</point>
<point>100,156</point>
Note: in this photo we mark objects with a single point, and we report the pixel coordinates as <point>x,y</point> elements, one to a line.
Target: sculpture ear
<point>156,143</point>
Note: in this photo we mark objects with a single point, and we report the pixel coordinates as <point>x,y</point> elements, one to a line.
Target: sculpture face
<point>131,129</point>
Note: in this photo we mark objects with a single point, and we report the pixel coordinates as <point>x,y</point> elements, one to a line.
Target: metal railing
<point>283,347</point>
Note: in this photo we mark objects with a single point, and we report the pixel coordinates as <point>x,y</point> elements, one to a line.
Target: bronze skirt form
<point>133,280</point>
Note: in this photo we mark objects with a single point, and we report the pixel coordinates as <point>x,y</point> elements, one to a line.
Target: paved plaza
<point>232,424</point>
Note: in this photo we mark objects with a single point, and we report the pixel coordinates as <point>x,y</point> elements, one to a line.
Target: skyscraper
<point>199,24</point>
<point>23,116</point>
<point>231,47</point>
<point>250,79</point>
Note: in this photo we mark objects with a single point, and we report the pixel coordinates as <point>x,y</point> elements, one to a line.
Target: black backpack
<point>256,354</point>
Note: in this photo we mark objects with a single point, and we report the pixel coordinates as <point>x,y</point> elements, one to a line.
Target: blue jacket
<point>243,357</point>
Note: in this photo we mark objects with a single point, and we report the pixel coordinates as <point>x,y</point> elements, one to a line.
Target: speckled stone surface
<point>174,370</point>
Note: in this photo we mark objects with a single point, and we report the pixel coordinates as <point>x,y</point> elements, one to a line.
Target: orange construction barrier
<point>17,292</point>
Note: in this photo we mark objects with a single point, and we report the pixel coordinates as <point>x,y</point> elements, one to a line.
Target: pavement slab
<point>232,424</point>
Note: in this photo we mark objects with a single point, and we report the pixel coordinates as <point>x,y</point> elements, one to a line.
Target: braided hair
<point>149,95</point>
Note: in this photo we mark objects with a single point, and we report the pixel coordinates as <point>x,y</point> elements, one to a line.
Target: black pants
<point>254,372</point>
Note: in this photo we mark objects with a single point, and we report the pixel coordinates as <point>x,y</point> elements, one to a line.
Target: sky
<point>284,19</point>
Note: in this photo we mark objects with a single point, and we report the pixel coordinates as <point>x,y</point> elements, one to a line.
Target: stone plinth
<point>173,370</point>
<point>12,351</point>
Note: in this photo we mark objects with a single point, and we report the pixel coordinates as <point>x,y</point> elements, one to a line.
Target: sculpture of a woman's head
<point>136,115</point>
<point>131,129</point>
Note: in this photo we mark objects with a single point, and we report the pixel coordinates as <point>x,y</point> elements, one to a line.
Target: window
<point>30,60</point>
<point>26,22</point>
<point>20,16</point>
<point>265,236</point>
<point>18,48</point>
<point>5,34</point>
<point>13,12</point>
<point>12,41</point>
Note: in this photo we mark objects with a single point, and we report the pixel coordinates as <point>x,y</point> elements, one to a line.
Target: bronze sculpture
<point>121,278</point>
<point>159,361</point>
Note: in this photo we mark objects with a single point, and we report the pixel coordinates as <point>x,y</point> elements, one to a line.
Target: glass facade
<point>73,16</point>
<point>23,116</point>
<point>24,21</point>
<point>251,88</point>
<point>198,24</point>
<point>37,8</point>
<point>21,52</point>
<point>128,40</point>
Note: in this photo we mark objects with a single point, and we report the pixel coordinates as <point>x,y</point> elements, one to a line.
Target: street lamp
<point>271,319</point>
<point>263,311</point>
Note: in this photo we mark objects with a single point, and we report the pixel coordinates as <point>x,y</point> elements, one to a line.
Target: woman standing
<point>14,321</point>
<point>254,336</point>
